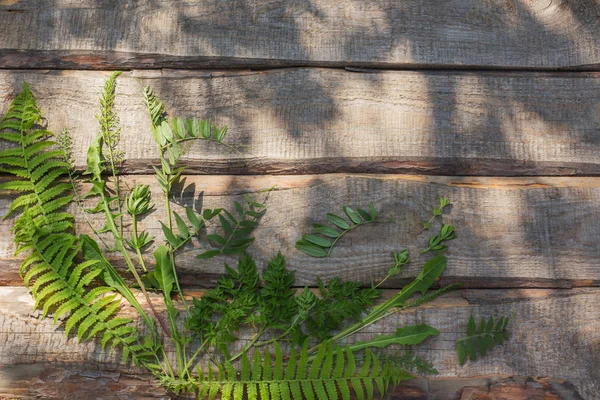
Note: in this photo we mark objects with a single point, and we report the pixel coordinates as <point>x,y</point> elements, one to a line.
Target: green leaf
<point>312,250</point>
<point>171,238</point>
<point>490,325</point>
<point>410,335</point>
<point>208,254</point>
<point>481,328</point>
<point>338,221</point>
<point>326,231</point>
<point>193,218</point>
<point>184,231</point>
<point>482,345</point>
<point>430,272</point>
<point>216,238</point>
<point>226,225</point>
<point>163,271</point>
<point>462,352</point>
<point>471,349</point>
<point>93,161</point>
<point>318,240</point>
<point>354,217</point>
<point>471,326</point>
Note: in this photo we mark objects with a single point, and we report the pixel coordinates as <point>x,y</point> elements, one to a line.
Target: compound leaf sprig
<point>483,338</point>
<point>319,243</point>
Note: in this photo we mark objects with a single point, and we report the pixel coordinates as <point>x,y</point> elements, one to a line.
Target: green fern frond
<point>42,229</point>
<point>334,373</point>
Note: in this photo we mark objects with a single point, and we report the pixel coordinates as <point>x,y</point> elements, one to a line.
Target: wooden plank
<point>297,121</point>
<point>554,333</point>
<point>414,34</point>
<point>532,231</point>
<point>34,381</point>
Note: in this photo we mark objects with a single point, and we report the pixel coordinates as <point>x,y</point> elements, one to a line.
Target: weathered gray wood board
<point>533,231</point>
<point>323,120</point>
<point>554,333</point>
<point>458,33</point>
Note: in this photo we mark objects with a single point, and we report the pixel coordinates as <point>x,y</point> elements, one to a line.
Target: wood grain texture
<point>538,230</point>
<point>554,333</point>
<point>296,121</point>
<point>83,382</point>
<point>416,33</point>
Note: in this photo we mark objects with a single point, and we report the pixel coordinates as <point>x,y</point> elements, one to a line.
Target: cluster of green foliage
<point>71,275</point>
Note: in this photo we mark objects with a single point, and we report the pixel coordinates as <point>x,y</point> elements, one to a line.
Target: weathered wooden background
<point>492,103</point>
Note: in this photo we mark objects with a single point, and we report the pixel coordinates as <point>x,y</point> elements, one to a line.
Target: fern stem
<point>137,249</point>
<point>77,198</point>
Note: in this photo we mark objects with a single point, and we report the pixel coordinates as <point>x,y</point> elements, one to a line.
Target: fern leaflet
<point>334,373</point>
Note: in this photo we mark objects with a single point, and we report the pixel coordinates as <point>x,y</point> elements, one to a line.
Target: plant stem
<point>196,354</point>
<point>82,208</point>
<point>250,344</point>
<point>284,334</point>
<point>121,247</point>
<point>137,249</point>
<point>171,251</point>
<point>346,231</point>
<point>375,315</point>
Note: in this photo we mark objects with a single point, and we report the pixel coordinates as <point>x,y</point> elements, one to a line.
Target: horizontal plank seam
<point>266,65</point>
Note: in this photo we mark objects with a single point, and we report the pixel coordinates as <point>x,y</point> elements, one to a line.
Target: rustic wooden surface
<point>83,382</point>
<point>555,332</point>
<point>326,120</point>
<point>541,230</point>
<point>483,91</point>
<point>429,34</point>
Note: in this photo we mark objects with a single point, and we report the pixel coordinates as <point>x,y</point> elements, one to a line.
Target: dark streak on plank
<point>125,61</point>
<point>374,165</point>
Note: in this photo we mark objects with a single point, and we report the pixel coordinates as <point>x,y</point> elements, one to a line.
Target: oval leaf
<point>318,240</point>
<point>311,250</point>
<point>354,217</point>
<point>338,221</point>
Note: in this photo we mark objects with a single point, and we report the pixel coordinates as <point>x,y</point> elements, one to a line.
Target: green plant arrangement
<point>299,342</point>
